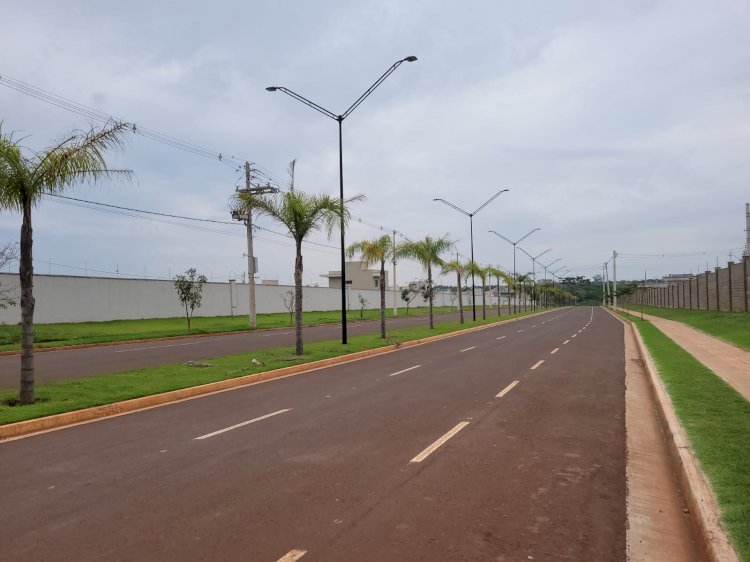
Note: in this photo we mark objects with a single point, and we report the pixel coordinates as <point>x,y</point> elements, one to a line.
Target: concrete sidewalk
<point>728,361</point>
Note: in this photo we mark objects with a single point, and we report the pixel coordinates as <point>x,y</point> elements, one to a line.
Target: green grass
<point>732,327</point>
<point>63,334</point>
<point>66,396</point>
<point>716,419</point>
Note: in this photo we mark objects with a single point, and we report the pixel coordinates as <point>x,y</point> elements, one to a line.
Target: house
<point>357,277</point>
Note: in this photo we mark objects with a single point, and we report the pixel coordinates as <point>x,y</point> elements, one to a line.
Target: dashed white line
<point>467,349</point>
<point>534,326</point>
<point>537,364</point>
<point>501,337</point>
<point>519,331</point>
<point>432,448</point>
<point>404,370</point>
<point>507,389</point>
<point>565,342</point>
<point>231,427</point>
<point>574,335</point>
<point>292,556</point>
<point>554,351</point>
<point>157,347</point>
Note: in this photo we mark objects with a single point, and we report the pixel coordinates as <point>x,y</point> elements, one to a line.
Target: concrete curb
<point>697,490</point>
<point>59,421</point>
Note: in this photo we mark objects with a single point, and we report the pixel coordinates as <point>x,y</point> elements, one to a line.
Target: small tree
<point>363,302</point>
<point>408,294</point>
<point>189,289</point>
<point>7,294</point>
<point>288,299</point>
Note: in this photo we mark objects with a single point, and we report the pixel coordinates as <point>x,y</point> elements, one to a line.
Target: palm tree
<point>481,272</point>
<point>301,214</point>
<point>24,181</point>
<point>499,274</point>
<point>427,253</point>
<point>373,251</point>
<point>522,281</point>
<point>460,270</point>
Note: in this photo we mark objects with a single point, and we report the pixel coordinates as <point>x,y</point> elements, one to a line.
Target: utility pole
<point>614,279</point>
<point>246,215</point>
<point>604,294</point>
<point>395,287</point>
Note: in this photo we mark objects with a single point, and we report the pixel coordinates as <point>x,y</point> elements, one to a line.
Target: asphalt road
<point>428,453</point>
<point>83,362</point>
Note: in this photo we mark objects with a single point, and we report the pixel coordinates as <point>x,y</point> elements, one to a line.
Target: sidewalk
<point>726,360</point>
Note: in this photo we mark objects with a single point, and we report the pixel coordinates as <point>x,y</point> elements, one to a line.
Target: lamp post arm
<point>503,237</point>
<point>525,236</point>
<point>304,100</point>
<point>525,252</point>
<point>540,255</point>
<point>377,83</point>
<point>490,200</point>
<point>459,209</point>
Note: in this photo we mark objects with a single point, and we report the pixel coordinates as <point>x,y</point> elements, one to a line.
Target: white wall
<point>80,299</point>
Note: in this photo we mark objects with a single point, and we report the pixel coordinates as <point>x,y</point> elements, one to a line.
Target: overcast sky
<point>616,125</point>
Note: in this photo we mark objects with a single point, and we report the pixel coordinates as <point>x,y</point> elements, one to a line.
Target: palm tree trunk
<point>484,309</point>
<point>509,309</point>
<point>298,348</point>
<point>429,293</point>
<point>460,299</point>
<point>382,298</point>
<point>498,296</point>
<point>26,273</point>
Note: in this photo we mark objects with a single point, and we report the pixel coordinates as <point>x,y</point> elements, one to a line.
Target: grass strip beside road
<point>76,394</point>
<point>716,419</point>
<point>732,327</point>
<point>82,333</point>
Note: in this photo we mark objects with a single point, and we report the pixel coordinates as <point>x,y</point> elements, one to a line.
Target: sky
<point>616,126</point>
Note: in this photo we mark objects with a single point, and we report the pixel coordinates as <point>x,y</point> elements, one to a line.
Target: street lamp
<point>471,229</point>
<point>533,267</point>
<point>554,273</point>
<point>521,239</point>
<point>340,119</point>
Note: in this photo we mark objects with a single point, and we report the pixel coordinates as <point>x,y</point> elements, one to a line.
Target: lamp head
<point>272,88</point>
<point>411,58</point>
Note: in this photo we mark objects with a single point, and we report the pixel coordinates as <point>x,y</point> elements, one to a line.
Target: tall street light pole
<point>340,119</point>
<point>533,268</point>
<point>471,230</point>
<point>521,239</point>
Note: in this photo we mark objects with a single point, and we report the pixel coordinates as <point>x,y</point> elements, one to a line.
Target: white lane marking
<point>537,364</point>
<point>579,331</point>
<point>554,351</point>
<point>431,449</point>
<point>566,341</point>
<point>231,427</point>
<point>468,349</point>
<point>534,326</point>
<point>501,337</point>
<point>519,331</point>
<point>507,389</point>
<point>404,370</point>
<point>574,335</point>
<point>157,347</point>
<point>292,555</point>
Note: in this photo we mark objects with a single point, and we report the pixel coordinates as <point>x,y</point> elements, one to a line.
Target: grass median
<point>716,419</point>
<point>76,394</point>
<point>82,333</point>
<point>732,327</point>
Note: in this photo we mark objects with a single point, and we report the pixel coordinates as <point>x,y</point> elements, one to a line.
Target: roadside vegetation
<point>66,396</point>
<point>716,419</point>
<point>82,333</point>
<point>732,327</point>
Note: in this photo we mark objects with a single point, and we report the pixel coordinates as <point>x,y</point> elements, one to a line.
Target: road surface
<point>503,444</point>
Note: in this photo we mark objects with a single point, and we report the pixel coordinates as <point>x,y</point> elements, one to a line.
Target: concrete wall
<point>62,298</point>
<point>725,289</point>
